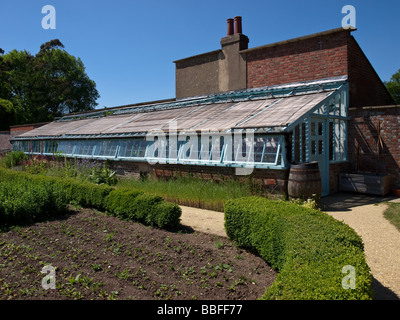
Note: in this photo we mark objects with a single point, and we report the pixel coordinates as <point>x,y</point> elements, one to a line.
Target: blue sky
<point>128,47</point>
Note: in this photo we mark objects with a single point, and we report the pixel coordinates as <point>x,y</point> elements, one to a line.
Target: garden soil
<point>100,257</point>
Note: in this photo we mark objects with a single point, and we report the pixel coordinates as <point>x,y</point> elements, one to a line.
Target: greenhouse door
<point>319,150</point>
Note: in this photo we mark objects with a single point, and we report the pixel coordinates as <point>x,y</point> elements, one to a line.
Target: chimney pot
<point>238,24</point>
<point>230,27</point>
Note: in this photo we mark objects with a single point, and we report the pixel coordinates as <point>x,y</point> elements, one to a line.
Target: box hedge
<point>26,202</point>
<point>148,209</point>
<point>307,247</point>
<point>122,202</point>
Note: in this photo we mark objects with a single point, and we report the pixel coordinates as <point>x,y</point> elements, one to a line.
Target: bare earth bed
<point>96,256</point>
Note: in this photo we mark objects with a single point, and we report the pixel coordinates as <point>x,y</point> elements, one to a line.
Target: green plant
<point>308,248</point>
<point>392,213</point>
<point>78,192</point>
<point>96,267</point>
<point>149,209</point>
<point>14,158</point>
<point>124,203</point>
<point>191,191</point>
<point>103,175</point>
<point>24,201</point>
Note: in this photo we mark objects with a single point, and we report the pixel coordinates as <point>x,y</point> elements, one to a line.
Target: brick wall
<point>275,180</point>
<point>6,136</point>
<point>5,141</point>
<point>328,55</point>
<point>363,137</point>
<point>366,87</point>
<point>309,59</point>
<point>334,170</point>
<point>197,75</point>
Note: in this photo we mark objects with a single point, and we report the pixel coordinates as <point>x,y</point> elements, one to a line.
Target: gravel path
<point>361,212</point>
<point>365,214</point>
<point>204,220</point>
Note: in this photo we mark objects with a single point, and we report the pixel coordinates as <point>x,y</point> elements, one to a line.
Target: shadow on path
<point>346,201</point>
<point>381,292</point>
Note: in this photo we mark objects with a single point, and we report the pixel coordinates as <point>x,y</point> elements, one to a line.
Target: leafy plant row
<point>311,250</point>
<point>26,197</point>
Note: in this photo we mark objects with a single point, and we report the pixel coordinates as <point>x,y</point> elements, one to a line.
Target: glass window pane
<point>113,148</point>
<point>143,145</point>
<point>65,146</point>
<point>78,147</point>
<point>136,148</point>
<point>173,148</point>
<point>270,150</point>
<point>258,148</point>
<point>125,148</point>
<point>243,150</point>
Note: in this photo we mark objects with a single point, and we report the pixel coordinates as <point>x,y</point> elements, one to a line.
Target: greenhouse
<point>265,128</point>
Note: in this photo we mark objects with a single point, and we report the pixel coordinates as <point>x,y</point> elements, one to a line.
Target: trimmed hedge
<point>307,247</point>
<point>26,202</point>
<point>85,194</point>
<point>148,209</point>
<point>124,203</point>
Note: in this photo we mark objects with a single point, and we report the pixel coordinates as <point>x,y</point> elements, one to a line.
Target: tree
<point>393,87</point>
<point>41,87</point>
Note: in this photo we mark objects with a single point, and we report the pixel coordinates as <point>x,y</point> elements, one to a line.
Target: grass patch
<point>392,214</point>
<point>195,192</point>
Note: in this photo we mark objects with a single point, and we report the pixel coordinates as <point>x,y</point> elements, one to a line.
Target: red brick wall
<point>315,58</point>
<point>22,129</point>
<point>330,55</point>
<point>334,170</point>
<point>366,87</point>
<point>363,133</point>
<point>5,141</point>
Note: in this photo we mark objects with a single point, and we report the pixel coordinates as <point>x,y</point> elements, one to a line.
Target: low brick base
<point>272,180</point>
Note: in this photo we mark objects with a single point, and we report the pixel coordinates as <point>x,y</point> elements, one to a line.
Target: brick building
<point>312,98</point>
<point>6,136</point>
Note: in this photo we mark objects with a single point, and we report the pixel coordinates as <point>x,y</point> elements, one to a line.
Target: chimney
<point>232,70</point>
<point>238,24</point>
<point>230,27</point>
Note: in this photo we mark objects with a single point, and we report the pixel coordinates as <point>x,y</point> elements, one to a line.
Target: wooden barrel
<point>304,181</point>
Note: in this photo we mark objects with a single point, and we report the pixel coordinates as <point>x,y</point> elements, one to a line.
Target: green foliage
<point>37,164</point>
<point>393,87</point>
<point>392,214</point>
<point>166,215</point>
<point>14,158</point>
<point>194,191</point>
<point>84,193</point>
<point>148,209</point>
<point>124,203</point>
<point>37,88</point>
<point>81,169</point>
<point>78,192</point>
<point>308,248</point>
<point>25,201</point>
<point>103,175</point>
<point>120,203</point>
